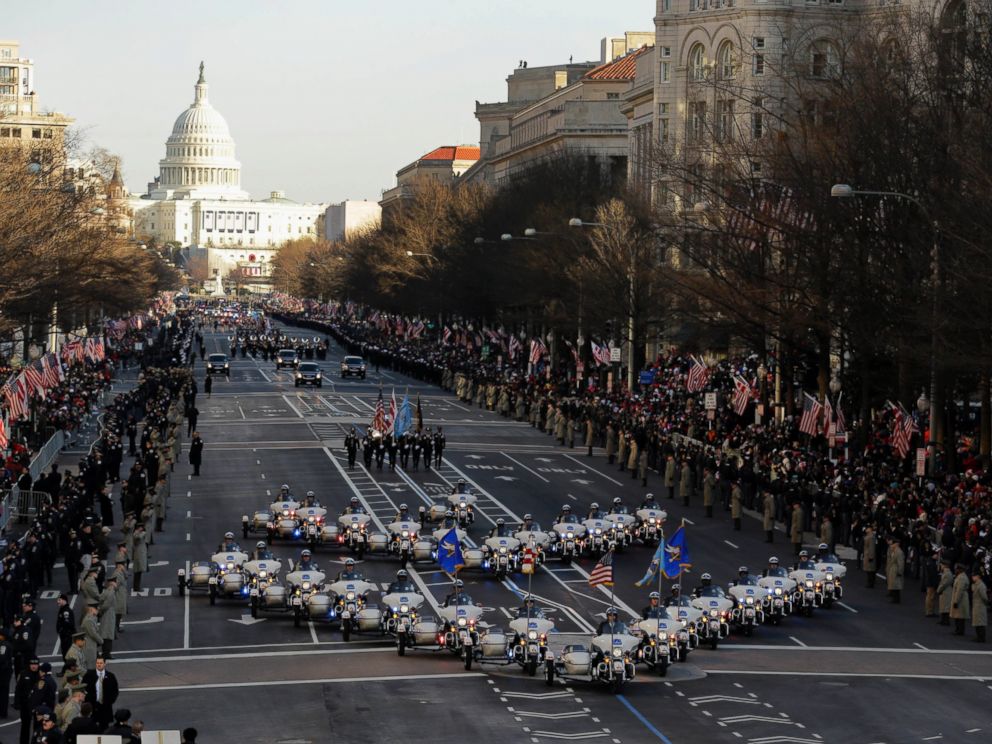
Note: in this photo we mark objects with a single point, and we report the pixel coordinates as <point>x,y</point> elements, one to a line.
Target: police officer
<point>595,512</point>
<point>457,594</point>
<point>611,625</point>
<point>527,525</point>
<point>229,545</point>
<point>705,581</point>
<point>351,445</point>
<point>380,452</point>
<point>262,552</point>
<point>415,447</point>
<point>6,670</point>
<point>427,445</point>
<point>439,444</point>
<point>354,507</point>
<point>403,515</point>
<point>804,562</point>
<point>565,515</point>
<point>402,585</point>
<point>500,530</point>
<point>306,562</point>
<point>367,450</point>
<point>310,499</point>
<point>349,573</point>
<point>649,502</point>
<point>653,607</point>
<point>65,624</point>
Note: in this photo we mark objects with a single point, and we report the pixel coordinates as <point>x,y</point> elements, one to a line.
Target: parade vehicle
<point>352,609</point>
<point>459,631</point>
<point>221,576</point>
<point>352,366</point>
<point>313,527</point>
<point>747,612</point>
<point>600,537</point>
<point>779,591</point>
<point>689,617</point>
<point>283,521</point>
<point>287,358</point>
<point>217,364</point>
<point>502,555</point>
<point>307,598</point>
<point>715,607</point>
<point>401,616</point>
<point>569,538</point>
<point>660,641</point>
<point>403,540</point>
<point>609,661</point>
<point>622,524</point>
<point>833,570</point>
<point>527,646</point>
<point>354,532</point>
<point>809,590</point>
<point>308,373</point>
<point>535,538</point>
<point>265,592</point>
<point>473,557</point>
<point>649,525</point>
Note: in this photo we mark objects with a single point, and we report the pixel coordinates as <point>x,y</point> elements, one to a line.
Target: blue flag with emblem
<point>449,552</point>
<point>404,418</point>
<point>676,554</point>
<point>652,573</point>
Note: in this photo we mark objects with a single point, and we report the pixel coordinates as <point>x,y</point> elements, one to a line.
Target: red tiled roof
<point>623,68</point>
<point>452,152</point>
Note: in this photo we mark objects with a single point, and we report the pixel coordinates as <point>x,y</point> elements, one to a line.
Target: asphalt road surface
<point>862,672</point>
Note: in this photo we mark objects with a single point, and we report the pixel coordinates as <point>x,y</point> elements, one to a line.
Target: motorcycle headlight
<point>350,596</point>
<point>778,591</point>
<point>569,535</point>
<point>830,577</point>
<point>406,533</point>
<point>598,531</point>
<point>262,574</point>
<point>714,613</point>
<point>809,583</point>
<point>230,566</point>
<point>617,653</point>
<point>750,600</point>
<point>651,520</point>
<point>502,549</point>
<point>306,586</point>
<point>404,608</point>
<point>532,635</point>
<point>285,512</point>
<point>462,622</point>
<point>311,520</point>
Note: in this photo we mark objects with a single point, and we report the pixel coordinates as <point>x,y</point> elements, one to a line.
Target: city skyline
<point>408,88</point>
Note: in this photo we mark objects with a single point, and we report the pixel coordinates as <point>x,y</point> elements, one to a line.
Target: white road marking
<point>264,374</point>
<point>529,470</point>
<point>859,649</point>
<point>571,497</point>
<point>584,466</point>
<point>369,407</point>
<point>688,521</point>
<point>186,611</point>
<point>797,641</point>
<point>313,632</point>
<point>339,680</point>
<point>920,645</point>
<point>188,536</point>
<point>735,547</point>
<point>847,607</point>
<point>767,673</point>
<point>290,404</point>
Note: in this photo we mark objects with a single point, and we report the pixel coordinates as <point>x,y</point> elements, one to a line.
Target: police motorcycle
<point>833,570</point>
<point>221,575</point>
<point>659,647</point>
<point>569,535</point>
<point>473,557</point>
<point>501,550</point>
<point>353,528</point>
<point>532,535</point>
<point>622,524</point>
<point>461,504</point>
<point>689,617</point>
<point>350,606</point>
<point>265,592</point>
<point>527,647</point>
<point>312,518</point>
<point>402,534</point>
<point>402,602</point>
<point>307,598</point>
<point>609,660</point>
<point>746,593</point>
<point>459,631</point>
<point>600,537</point>
<point>809,580</point>
<point>650,522</point>
<point>778,592</point>
<point>261,521</point>
<point>716,610</point>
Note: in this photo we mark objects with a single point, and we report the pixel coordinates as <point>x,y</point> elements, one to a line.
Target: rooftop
<point>453,152</point>
<point>622,68</point>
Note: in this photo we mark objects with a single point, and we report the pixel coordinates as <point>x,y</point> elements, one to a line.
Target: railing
<point>22,506</point>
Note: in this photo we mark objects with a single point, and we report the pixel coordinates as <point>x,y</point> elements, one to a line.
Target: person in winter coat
<point>590,434</point>
<point>139,559</point>
<point>960,599</point>
<point>895,568</point>
<point>944,591</point>
<point>642,467</point>
<point>685,482</point>
<point>611,444</point>
<point>736,507</point>
<point>796,532</point>
<point>91,627</point>
<point>768,516</point>
<point>709,488</point>
<point>632,456</point>
<point>869,558</point>
<point>979,607</point>
<point>622,450</point>
<point>195,453</point>
<point>670,476</point>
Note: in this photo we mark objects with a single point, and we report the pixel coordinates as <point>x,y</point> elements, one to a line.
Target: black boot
<point>959,626</point>
<point>768,535</point>
<point>979,634</point>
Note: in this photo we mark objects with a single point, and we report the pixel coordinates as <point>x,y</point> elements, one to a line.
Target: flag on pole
<point>446,335</point>
<point>841,430</point>
<point>404,418</point>
<point>811,415</point>
<point>698,375</point>
<point>602,573</point>
<point>420,415</point>
<point>654,566</point>
<point>828,415</point>
<point>391,425</point>
<point>34,380</point>
<point>742,395</point>
<point>16,403</point>
<point>600,353</point>
<point>514,348</point>
<point>676,554</point>
<point>379,417</point>
<point>4,439</point>
<point>537,350</point>
<point>449,552</point>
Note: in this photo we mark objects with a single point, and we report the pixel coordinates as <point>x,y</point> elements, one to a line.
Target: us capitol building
<point>197,199</point>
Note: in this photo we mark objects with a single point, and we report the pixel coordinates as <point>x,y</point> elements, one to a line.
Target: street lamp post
<point>631,289</point>
<point>845,191</point>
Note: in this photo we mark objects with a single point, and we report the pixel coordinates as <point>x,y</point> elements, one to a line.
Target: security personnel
<point>349,573</point>
<point>229,545</point>
<point>262,552</point>
<point>65,624</point>
<point>403,515</point>
<point>306,562</point>
<point>6,670</point>
<point>310,500</point>
<point>367,450</point>
<point>673,599</point>
<point>75,653</point>
<point>27,682</point>
<point>527,525</point>
<point>415,451</point>
<point>427,445</point>
<point>351,445</point>
<point>705,582</point>
<point>404,447</point>
<point>649,502</point>
<point>31,621</point>
<point>653,607</point>
<point>595,512</point>
<point>402,585</point>
<point>354,507</point>
<point>500,530</point>
<point>439,444</point>
<point>380,452</point>
<point>529,608</point>
<point>611,625</point>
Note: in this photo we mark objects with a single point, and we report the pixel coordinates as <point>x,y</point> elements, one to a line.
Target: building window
<point>666,52</point>
<point>824,62</point>
<point>725,120</point>
<point>726,62</point>
<point>667,6</point>
<point>663,108</point>
<point>663,130</point>
<point>612,96</point>
<point>666,72</point>
<point>697,63</point>
<point>759,64</point>
<point>697,120</point>
<point>758,119</point>
<point>4,131</point>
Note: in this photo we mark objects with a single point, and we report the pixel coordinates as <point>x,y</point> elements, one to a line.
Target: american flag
<point>35,381</point>
<point>903,428</point>
<point>514,348</point>
<point>811,415</point>
<point>48,372</point>
<point>379,417</point>
<point>392,411</point>
<point>446,335</point>
<point>828,415</point>
<point>841,430</point>
<point>16,402</point>
<point>4,440</point>
<point>537,350</point>
<point>602,574</point>
<point>600,353</point>
<point>698,375</point>
<point>571,348</point>
<point>71,350</point>
<point>742,395</point>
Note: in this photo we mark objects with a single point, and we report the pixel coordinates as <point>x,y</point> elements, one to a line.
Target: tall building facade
<point>350,216</point>
<point>22,121</point>
<point>197,199</point>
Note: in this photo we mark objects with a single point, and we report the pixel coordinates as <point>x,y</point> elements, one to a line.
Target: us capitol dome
<point>199,160</point>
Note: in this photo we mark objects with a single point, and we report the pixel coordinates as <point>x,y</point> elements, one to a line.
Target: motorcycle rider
<point>461,486</point>
<point>403,515</point>
<point>349,573</point>
<point>458,597</point>
<point>823,554</point>
<point>612,623</point>
<point>500,530</point>
<point>449,520</point>
<point>595,512</point>
<point>654,606</point>
<point>742,575</point>
<point>306,562</point>
<point>229,545</point>
<point>354,507</point>
<point>284,494</point>
<point>705,582</point>
<point>649,502</point>
<point>529,608</point>
<point>674,598</point>
<point>310,499</point>
<point>262,552</point>
<point>527,525</point>
<point>618,506</point>
<point>565,516</point>
<point>805,563</point>
<point>402,585</point>
<point>773,568</point>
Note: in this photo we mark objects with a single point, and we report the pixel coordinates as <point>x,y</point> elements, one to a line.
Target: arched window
<point>697,63</point>
<point>953,29</point>
<point>726,61</point>
<point>824,60</point>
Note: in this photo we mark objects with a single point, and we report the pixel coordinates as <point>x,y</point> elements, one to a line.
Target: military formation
<point>409,450</point>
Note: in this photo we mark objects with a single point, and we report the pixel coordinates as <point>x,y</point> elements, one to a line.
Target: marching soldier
<point>351,444</point>
<point>65,624</point>
<point>404,450</point>
<point>415,451</point>
<point>427,445</point>
<point>439,444</point>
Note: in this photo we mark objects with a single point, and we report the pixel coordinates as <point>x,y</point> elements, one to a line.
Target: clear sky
<point>325,99</point>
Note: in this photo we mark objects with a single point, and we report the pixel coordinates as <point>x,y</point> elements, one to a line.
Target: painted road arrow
<point>505,478</point>
<point>570,737</point>
<point>246,620</point>
<point>155,619</point>
<point>581,482</point>
<point>544,459</point>
<point>722,699</point>
<point>157,564</point>
<point>765,719</point>
<point>553,716</point>
<point>536,695</point>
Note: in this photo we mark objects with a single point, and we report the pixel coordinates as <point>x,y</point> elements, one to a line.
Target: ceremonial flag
<point>4,440</point>
<point>379,417</point>
<point>34,381</point>
<point>48,370</point>
<point>841,430</point>
<point>404,419</point>
<point>392,412</point>
<point>600,353</point>
<point>602,573</point>
<point>654,566</point>
<point>446,335</point>
<point>514,348</point>
<point>15,400</point>
<point>676,554</point>
<point>449,552</point>
<point>420,415</point>
<point>742,395</point>
<point>903,428</point>
<point>828,415</point>
<point>537,350</point>
<point>811,415</point>
<point>698,375</point>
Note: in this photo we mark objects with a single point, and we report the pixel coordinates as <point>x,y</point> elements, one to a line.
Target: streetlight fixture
<point>846,191</point>
<point>578,222</point>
